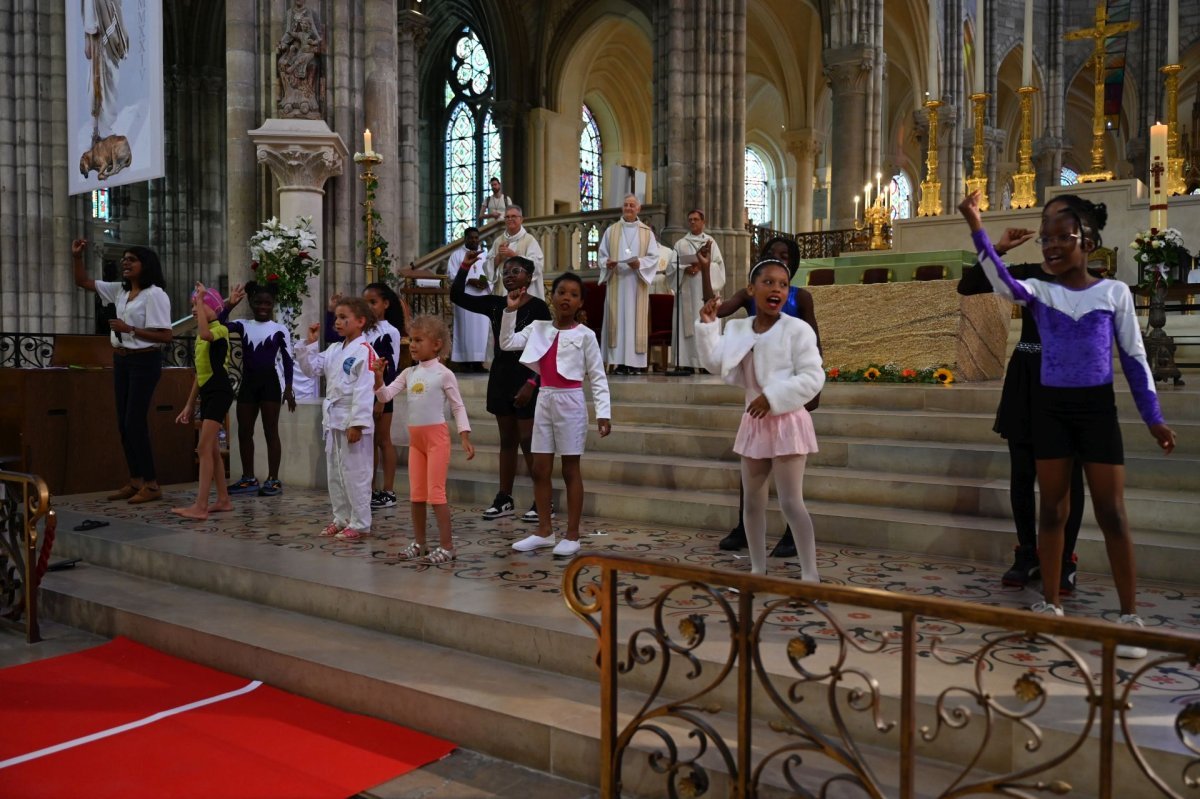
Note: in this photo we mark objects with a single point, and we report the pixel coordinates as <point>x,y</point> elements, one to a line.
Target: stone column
<point>803,146</point>
<point>380,106</point>
<point>412,30</point>
<point>242,113</point>
<point>302,154</point>
<point>848,70</point>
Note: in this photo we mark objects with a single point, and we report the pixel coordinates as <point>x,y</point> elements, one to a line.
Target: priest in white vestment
<point>472,331</point>
<point>684,272</point>
<point>515,240</point>
<point>628,253</point>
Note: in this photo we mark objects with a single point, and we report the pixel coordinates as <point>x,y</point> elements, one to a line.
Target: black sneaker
<point>531,515</point>
<point>1025,568</point>
<point>502,505</point>
<point>271,488</point>
<point>383,499</point>
<point>734,541</point>
<point>247,485</point>
<point>1066,583</point>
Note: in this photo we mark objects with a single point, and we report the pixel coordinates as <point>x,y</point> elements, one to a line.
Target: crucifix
<point>1099,34</point>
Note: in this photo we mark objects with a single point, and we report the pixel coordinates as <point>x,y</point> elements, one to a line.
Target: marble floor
<point>488,577</point>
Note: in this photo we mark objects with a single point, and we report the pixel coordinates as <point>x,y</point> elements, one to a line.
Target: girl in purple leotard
<point>1075,417</point>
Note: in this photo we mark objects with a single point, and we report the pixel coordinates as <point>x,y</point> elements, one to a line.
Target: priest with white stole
<point>472,331</point>
<point>515,240</point>
<point>629,255</point>
<point>685,278</point>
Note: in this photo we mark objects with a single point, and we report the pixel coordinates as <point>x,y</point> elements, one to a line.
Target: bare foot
<point>221,507</point>
<point>191,512</point>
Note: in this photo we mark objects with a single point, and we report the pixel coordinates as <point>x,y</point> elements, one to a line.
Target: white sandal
<point>441,555</point>
<point>411,552</point>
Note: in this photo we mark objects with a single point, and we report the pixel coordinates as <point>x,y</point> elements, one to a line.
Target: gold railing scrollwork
<point>710,687</point>
<point>24,552</point>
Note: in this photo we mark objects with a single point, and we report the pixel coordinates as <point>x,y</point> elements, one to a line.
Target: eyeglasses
<point>512,270</point>
<point>1061,241</point>
<point>130,259</point>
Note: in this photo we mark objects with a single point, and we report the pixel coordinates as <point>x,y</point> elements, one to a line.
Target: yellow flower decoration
<point>418,388</point>
<point>871,373</point>
<point>378,251</point>
<point>944,376</point>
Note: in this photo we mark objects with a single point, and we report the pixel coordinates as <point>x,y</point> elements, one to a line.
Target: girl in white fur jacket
<point>775,358</point>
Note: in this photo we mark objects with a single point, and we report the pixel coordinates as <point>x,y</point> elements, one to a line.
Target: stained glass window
<point>1068,176</point>
<point>591,170</point>
<point>472,150</point>
<point>901,196</point>
<point>756,188</point>
<point>100,209</point>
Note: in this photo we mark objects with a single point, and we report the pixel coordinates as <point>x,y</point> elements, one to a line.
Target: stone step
<point>958,493</point>
<point>1162,554</point>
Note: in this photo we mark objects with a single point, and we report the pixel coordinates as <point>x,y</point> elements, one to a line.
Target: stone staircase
<point>914,468</point>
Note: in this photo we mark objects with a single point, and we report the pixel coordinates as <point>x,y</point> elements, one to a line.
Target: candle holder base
<point>931,198</point>
<point>980,185</point>
<point>1176,182</point>
<point>1024,193</point>
<point>1096,177</point>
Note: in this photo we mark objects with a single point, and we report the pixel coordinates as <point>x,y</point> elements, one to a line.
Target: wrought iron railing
<point>24,552</point>
<point>819,244</point>
<point>26,350</point>
<point>810,718</point>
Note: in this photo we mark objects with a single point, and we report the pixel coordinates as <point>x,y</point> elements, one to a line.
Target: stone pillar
<point>380,106</point>
<point>803,146</point>
<point>412,29</point>
<point>302,154</point>
<point>242,113</point>
<point>848,70</point>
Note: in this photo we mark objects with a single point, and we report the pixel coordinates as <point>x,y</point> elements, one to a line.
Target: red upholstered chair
<point>593,305</point>
<point>821,277</point>
<point>930,272</point>
<point>877,274</point>
<point>662,309</point>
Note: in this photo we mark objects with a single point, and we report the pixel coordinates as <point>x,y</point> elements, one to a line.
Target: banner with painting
<point>114,92</point>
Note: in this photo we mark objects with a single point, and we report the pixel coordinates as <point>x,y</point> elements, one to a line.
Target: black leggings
<point>134,380</point>
<point>1023,478</point>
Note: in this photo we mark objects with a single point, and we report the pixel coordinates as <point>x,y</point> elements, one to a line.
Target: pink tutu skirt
<point>773,436</point>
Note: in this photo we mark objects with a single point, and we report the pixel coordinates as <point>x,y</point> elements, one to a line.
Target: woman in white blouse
<point>142,327</point>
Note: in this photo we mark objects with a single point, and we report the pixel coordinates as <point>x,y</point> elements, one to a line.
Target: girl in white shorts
<point>560,352</point>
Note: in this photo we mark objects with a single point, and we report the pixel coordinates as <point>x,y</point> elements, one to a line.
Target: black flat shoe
<point>734,541</point>
<point>786,548</point>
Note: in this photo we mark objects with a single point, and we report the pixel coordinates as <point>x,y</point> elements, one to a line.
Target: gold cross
<point>1099,34</point>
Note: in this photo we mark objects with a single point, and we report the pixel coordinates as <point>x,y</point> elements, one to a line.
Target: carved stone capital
<point>508,113</point>
<point>412,26</point>
<point>301,153</point>
<point>848,69</point>
<point>803,143</point>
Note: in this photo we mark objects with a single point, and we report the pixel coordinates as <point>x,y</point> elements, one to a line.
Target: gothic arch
<point>1008,105</point>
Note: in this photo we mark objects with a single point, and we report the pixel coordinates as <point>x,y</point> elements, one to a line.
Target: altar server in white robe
<point>515,240</point>
<point>690,296</point>
<point>629,253</point>
<point>471,330</point>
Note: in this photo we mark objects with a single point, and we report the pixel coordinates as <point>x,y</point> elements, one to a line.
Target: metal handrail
<point>590,588</point>
<point>19,546</point>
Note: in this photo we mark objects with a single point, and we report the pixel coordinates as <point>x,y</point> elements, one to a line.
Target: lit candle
<point>1172,31</point>
<point>866,196</point>
<point>1158,173</point>
<point>931,77</point>
<point>980,47</point>
<point>878,185</point>
<point>856,208</point>
<point>1027,47</point>
<point>367,141</point>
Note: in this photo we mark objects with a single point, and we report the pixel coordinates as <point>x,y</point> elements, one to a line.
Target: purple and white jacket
<point>1078,327</point>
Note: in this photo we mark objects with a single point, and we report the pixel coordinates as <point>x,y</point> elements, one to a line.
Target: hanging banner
<point>114,93</point>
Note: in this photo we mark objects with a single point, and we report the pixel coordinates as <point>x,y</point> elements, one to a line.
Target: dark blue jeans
<point>134,378</point>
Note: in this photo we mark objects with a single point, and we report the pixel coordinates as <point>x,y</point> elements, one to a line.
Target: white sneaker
<point>531,542</point>
<point>566,548</point>
<point>1047,608</point>
<point>1126,650</point>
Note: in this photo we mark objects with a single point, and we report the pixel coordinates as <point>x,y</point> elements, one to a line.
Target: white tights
<point>789,485</point>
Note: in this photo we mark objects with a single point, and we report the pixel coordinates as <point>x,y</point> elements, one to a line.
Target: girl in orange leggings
<point>427,384</point>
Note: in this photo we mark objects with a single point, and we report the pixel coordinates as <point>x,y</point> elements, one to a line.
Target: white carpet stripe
<point>96,736</point>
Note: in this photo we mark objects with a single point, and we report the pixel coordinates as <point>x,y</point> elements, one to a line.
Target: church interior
<point>655,662</point>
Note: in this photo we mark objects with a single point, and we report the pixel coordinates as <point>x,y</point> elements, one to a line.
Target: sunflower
<point>871,373</point>
<point>944,376</point>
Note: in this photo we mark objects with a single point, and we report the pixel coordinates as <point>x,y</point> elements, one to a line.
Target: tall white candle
<point>980,47</point>
<point>1027,47</point>
<point>931,78</point>
<point>367,140</point>
<point>1172,31</point>
<point>856,208</point>
<point>866,196</point>
<point>1158,182</point>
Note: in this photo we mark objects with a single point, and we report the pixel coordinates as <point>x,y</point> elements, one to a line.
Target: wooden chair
<point>594,295</point>
<point>821,277</point>
<point>876,274</point>
<point>662,310</point>
<point>931,272</point>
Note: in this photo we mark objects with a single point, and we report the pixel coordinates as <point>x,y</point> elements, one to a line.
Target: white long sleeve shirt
<point>349,381</point>
<point>428,386</point>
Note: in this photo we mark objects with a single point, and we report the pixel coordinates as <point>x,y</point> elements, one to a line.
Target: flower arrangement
<point>890,373</point>
<point>281,258</point>
<point>1159,253</point>
<point>381,253</point>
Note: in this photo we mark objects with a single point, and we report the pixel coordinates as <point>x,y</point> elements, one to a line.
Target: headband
<point>768,262</point>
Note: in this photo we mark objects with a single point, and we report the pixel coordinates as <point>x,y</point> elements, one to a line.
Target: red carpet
<point>261,744</point>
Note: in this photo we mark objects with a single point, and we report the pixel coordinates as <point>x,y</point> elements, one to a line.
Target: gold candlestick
<point>931,187</point>
<point>875,218</point>
<point>1176,183</point>
<point>368,161</point>
<point>1024,192</point>
<point>979,182</point>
